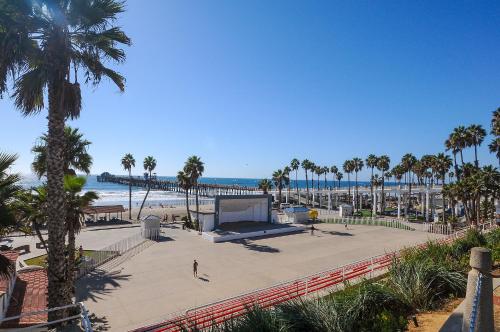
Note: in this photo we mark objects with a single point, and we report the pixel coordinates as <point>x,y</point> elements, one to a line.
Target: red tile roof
<point>30,294</point>
<point>12,256</point>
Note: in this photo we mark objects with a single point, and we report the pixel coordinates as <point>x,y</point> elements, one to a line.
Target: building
<point>297,214</point>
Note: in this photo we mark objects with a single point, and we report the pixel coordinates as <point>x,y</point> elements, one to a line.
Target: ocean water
<point>111,193</point>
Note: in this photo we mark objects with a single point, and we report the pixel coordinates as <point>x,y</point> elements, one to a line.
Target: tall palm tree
<point>319,171</point>
<point>348,167</point>
<point>184,181</point>
<point>265,185</point>
<point>358,166</point>
<point>334,170</point>
<point>278,178</point>
<point>128,162</point>
<point>9,188</point>
<point>149,165</point>
<point>451,146</point>
<point>325,172</point>
<point>286,172</point>
<point>371,161</point>
<point>495,123</point>
<point>407,162</point>
<point>312,167</point>
<point>443,165</point>
<point>295,164</point>
<point>75,153</point>
<point>306,165</point>
<point>339,177</point>
<point>194,167</point>
<point>75,203</point>
<point>475,135</point>
<point>459,138</point>
<point>43,43</point>
<point>383,165</point>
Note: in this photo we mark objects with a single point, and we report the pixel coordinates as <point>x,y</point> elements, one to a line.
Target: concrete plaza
<point>158,281</point>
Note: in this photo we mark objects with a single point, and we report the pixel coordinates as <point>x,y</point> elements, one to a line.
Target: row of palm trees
<point>46,46</point>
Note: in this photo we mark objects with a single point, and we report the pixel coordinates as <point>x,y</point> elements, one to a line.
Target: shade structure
<point>150,227</point>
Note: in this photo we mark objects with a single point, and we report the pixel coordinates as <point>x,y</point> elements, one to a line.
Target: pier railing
<point>369,221</point>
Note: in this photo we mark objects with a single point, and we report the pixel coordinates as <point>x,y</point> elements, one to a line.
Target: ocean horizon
<point>112,193</point>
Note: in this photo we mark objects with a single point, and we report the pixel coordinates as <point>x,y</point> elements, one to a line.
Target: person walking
<point>312,229</point>
<point>195,269</point>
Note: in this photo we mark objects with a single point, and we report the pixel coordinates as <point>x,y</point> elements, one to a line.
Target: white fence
<point>370,221</point>
<point>108,253</point>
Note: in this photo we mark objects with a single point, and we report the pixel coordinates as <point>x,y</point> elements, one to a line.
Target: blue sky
<point>249,85</point>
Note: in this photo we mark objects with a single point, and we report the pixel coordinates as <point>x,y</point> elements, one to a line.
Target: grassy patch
<point>42,259</point>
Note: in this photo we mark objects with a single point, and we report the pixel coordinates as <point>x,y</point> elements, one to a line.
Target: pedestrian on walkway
<point>312,229</point>
<point>195,269</point>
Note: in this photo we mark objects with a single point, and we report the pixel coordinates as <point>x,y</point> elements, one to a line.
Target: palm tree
<point>43,42</point>
<point>286,172</point>
<point>339,177</point>
<point>294,164</point>
<point>325,171</point>
<point>383,166</point>
<point>9,188</point>
<point>75,203</point>
<point>75,153</point>
<point>194,167</point>
<point>306,165</point>
<point>494,147</point>
<point>358,166</point>
<point>128,162</point>
<point>371,161</point>
<point>495,123</point>
<point>443,165</point>
<point>185,183</point>
<point>475,134</point>
<point>459,139</point>
<point>451,146</point>
<point>278,178</point>
<point>149,165</point>
<point>334,170</point>
<point>319,171</point>
<point>407,162</point>
<point>312,167</point>
<point>348,168</point>
<point>265,185</point>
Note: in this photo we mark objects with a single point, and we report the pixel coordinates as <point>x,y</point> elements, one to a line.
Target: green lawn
<point>41,260</point>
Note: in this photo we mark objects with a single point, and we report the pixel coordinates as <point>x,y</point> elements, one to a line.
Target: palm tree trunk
<point>187,205</point>
<point>371,191</point>
<point>476,162</point>
<point>71,256</point>
<point>356,192</point>
<point>382,203</point>
<point>297,187</point>
<point>57,294</point>
<point>197,207</point>
<point>349,184</point>
<point>462,157</point>
<point>307,189</point>
<point>145,197</point>
<point>455,165</point>
<point>130,195</point>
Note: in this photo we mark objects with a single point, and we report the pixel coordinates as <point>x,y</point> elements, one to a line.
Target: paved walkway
<point>158,281</point>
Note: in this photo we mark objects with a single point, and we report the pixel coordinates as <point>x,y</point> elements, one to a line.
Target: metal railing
<point>108,253</point>
<point>82,315</point>
<point>369,221</point>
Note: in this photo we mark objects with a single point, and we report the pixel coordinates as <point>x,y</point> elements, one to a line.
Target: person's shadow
<point>204,278</point>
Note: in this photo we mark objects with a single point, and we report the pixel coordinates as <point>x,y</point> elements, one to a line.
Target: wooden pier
<point>204,189</point>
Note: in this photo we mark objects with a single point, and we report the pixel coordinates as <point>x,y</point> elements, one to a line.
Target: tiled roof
<point>12,256</point>
<point>30,294</point>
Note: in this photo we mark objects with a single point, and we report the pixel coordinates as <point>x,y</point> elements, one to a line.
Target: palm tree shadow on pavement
<point>256,247</point>
<point>336,233</point>
<point>98,284</point>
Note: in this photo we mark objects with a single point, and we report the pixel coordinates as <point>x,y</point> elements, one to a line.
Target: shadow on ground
<point>99,283</point>
<point>336,233</point>
<point>256,247</point>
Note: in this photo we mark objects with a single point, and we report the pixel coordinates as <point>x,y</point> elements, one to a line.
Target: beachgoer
<point>195,268</point>
<point>80,251</point>
<point>312,229</point>
<point>345,225</point>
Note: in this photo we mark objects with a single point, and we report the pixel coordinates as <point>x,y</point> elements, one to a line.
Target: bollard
<point>478,311</point>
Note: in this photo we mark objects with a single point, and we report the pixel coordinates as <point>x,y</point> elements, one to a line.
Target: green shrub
<point>422,284</point>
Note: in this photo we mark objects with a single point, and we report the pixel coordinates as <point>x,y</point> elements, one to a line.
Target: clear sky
<point>249,85</point>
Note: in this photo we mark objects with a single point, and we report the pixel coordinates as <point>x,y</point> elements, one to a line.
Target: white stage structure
<point>236,208</point>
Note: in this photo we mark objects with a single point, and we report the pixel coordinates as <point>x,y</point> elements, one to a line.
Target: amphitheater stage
<point>249,229</point>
